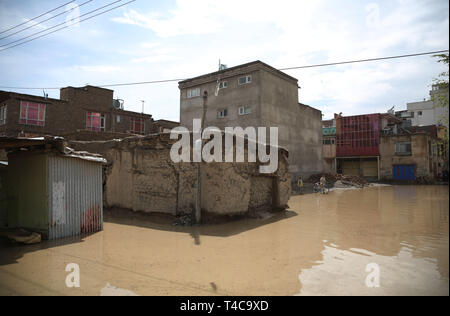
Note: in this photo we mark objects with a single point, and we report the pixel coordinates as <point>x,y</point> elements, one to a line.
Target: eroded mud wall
<point>141,176</point>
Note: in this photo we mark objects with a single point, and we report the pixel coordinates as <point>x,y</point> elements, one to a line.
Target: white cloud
<point>154,59</point>
<point>105,69</point>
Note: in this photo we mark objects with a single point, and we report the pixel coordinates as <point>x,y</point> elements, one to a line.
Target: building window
<point>192,93</point>
<point>32,113</point>
<point>403,148</point>
<point>117,118</point>
<point>245,80</point>
<point>223,85</point>
<point>419,113</point>
<point>244,110</point>
<point>95,121</point>
<point>137,126</point>
<point>3,115</point>
<point>222,113</point>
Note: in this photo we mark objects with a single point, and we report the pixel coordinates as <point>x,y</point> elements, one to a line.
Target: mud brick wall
<point>141,176</point>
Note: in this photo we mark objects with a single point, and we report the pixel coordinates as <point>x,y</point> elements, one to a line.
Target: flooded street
<point>320,246</point>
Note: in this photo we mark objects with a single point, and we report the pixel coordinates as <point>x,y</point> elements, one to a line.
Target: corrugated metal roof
<point>55,143</point>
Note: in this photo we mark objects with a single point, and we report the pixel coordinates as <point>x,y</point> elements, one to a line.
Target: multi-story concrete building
<point>88,108</point>
<point>431,111</point>
<point>256,94</point>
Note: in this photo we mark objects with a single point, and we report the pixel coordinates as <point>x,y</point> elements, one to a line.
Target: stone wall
<point>141,176</point>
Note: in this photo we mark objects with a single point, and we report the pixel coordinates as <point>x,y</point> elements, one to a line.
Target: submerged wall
<point>141,176</point>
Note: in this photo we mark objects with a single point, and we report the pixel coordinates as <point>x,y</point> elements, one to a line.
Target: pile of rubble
<point>338,180</point>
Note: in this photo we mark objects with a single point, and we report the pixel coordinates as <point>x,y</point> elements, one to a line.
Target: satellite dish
<point>117,104</point>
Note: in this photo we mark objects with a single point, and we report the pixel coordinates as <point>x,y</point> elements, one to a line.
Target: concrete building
<point>329,145</point>
<point>258,95</point>
<point>380,146</point>
<point>357,143</point>
<point>87,109</point>
<point>430,112</point>
<point>411,154</point>
<point>141,176</point>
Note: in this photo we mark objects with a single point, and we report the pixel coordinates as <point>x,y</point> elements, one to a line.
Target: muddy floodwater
<point>322,245</point>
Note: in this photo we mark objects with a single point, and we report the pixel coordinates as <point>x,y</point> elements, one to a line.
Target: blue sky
<point>155,40</point>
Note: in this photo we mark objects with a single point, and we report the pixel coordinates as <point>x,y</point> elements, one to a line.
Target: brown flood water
<point>320,246</point>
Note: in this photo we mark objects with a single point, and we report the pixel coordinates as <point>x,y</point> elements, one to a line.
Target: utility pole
<point>198,200</point>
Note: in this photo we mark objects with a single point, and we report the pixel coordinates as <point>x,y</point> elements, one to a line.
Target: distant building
<point>87,109</point>
<point>329,145</point>
<point>380,146</point>
<point>429,112</point>
<point>256,94</point>
<point>164,126</point>
<point>357,143</point>
<point>412,153</point>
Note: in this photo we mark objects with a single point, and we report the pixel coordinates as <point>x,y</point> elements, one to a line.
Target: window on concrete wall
<point>419,113</point>
<point>245,80</point>
<point>137,126</point>
<point>192,93</point>
<point>32,113</point>
<point>3,115</point>
<point>244,110</point>
<point>95,121</point>
<point>403,148</point>
<point>223,85</point>
<point>222,113</point>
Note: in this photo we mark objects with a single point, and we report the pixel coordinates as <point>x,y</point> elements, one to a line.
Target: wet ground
<point>321,246</point>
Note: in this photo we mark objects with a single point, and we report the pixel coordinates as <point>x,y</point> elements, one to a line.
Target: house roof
<point>253,63</point>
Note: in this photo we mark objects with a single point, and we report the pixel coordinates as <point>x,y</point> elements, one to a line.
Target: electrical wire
<point>12,28</point>
<point>48,19</point>
<point>289,68</point>
<point>67,25</point>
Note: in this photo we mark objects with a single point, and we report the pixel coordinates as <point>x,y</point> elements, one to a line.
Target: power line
<point>50,18</point>
<point>365,60</point>
<point>289,68</point>
<point>11,28</point>
<point>67,25</point>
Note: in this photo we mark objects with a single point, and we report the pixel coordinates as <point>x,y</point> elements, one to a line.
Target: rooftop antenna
<point>222,66</point>
<point>143,101</point>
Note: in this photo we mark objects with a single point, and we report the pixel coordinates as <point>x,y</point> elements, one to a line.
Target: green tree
<point>441,82</point>
<point>440,98</point>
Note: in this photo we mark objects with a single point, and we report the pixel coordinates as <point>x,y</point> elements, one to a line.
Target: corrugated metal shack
<point>52,189</point>
<point>3,173</point>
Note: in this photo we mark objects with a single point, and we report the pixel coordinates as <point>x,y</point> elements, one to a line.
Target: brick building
<point>86,109</point>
